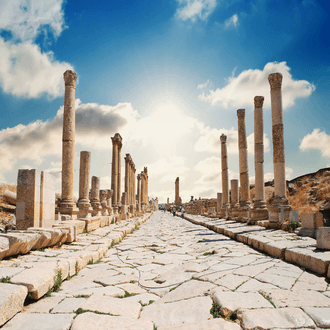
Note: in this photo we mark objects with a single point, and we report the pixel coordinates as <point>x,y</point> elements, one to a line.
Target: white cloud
<point>94,125</point>
<point>231,21</point>
<point>316,140</point>
<point>25,19</point>
<point>26,71</point>
<point>168,169</point>
<point>206,84</point>
<point>241,90</point>
<point>193,9</point>
<point>210,141</point>
<point>288,173</point>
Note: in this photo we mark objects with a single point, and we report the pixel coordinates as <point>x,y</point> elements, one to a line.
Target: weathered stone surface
<point>115,306</point>
<point>321,316</point>
<point>68,305</point>
<point>302,298</point>
<point>230,301</point>
<point>35,321</point>
<point>231,281</point>
<point>176,313</point>
<point>213,324</point>
<point>323,238</point>
<point>283,318</point>
<point>88,321</point>
<point>11,300</point>
<point>44,305</point>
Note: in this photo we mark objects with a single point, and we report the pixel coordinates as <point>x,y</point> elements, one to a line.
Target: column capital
<point>69,78</point>
<point>223,138</point>
<point>258,101</point>
<point>117,139</point>
<point>109,193</point>
<point>275,81</point>
<point>241,114</point>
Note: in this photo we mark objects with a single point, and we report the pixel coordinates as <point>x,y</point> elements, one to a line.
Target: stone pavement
<point>183,270</point>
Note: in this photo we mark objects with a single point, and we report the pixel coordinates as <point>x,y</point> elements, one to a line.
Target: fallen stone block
<point>321,316</point>
<point>323,238</point>
<point>48,237</point>
<point>12,298</point>
<point>284,318</point>
<point>92,223</point>
<point>80,225</point>
<point>70,230</point>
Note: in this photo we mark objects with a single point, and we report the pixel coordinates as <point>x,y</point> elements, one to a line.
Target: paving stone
<point>77,284</point>
<point>117,279</point>
<point>282,318</point>
<point>302,298</point>
<point>232,281</point>
<point>10,271</point>
<point>321,316</point>
<point>309,281</point>
<point>187,290</point>
<point>176,313</point>
<point>131,288</point>
<point>231,302</point>
<point>255,286</point>
<point>68,305</point>
<point>88,321</point>
<point>253,270</point>
<point>213,324</point>
<point>34,321</point>
<point>144,298</point>
<point>12,298</point>
<point>272,277</point>
<point>43,305</point>
<point>111,305</point>
<point>110,290</point>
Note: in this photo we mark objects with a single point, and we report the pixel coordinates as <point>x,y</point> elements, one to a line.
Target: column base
<point>244,213</point>
<point>258,214</point>
<point>72,212</point>
<point>224,212</point>
<point>104,211</point>
<point>97,209</point>
<point>85,211</point>
<point>279,211</point>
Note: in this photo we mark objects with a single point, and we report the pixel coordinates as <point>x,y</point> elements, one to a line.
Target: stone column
<point>146,186</point>
<point>67,205</point>
<point>84,205</point>
<point>177,193</point>
<point>119,170</point>
<point>95,193</point>
<point>219,201</point>
<point>138,192</point>
<point>143,203</point>
<point>134,188</point>
<point>114,172</point>
<point>104,203</point>
<point>224,172</point>
<point>109,200</point>
<point>280,201</point>
<point>244,210</point>
<point>259,211</point>
<point>127,176</point>
<point>234,193</point>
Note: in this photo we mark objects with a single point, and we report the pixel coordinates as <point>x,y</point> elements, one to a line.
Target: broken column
<point>259,211</point>
<point>109,200</point>
<point>143,204</point>
<point>67,205</point>
<point>177,193</point>
<point>224,173</point>
<point>95,201</point>
<point>138,205</point>
<point>103,201</point>
<point>127,177</point>
<point>234,206</point>
<point>244,209</point>
<point>84,205</point>
<point>219,201</point>
<point>280,203</point>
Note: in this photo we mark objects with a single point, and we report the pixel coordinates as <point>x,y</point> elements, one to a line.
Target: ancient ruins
<point>242,261</point>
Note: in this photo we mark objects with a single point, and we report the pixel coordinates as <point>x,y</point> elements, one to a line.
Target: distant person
<point>164,209</point>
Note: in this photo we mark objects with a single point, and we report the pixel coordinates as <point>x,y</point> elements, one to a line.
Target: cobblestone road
<point>182,269</point>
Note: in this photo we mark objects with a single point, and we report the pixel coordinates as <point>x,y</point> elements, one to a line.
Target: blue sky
<point>169,77</point>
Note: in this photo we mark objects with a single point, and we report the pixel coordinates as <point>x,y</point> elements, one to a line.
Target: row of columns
<point>243,212</point>
<point>99,201</point>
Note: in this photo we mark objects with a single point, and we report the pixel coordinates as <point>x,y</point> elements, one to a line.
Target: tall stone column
<point>177,192</point>
<point>280,201</point>
<point>234,193</point>
<point>143,203</point>
<point>84,205</point>
<point>138,192</point>
<point>224,173</point>
<point>67,205</point>
<point>127,177</point>
<point>244,210</point>
<point>259,211</point>
<point>219,201</point>
<point>134,187</point>
<point>109,200</point>
<point>119,170</point>
<point>95,193</point>
<point>114,172</point>
<point>146,186</point>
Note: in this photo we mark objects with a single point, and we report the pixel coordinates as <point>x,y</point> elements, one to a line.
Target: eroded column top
<point>258,101</point>
<point>275,81</point>
<point>69,78</point>
<point>241,114</point>
<point>117,139</point>
<point>223,138</point>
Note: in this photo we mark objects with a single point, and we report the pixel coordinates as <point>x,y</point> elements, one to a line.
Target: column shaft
<point>224,171</point>
<point>84,174</point>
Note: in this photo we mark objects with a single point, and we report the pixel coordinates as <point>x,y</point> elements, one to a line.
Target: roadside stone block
<point>323,238</point>
<point>284,318</point>
<point>231,302</point>
<point>12,298</point>
<point>33,321</point>
<point>88,321</point>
